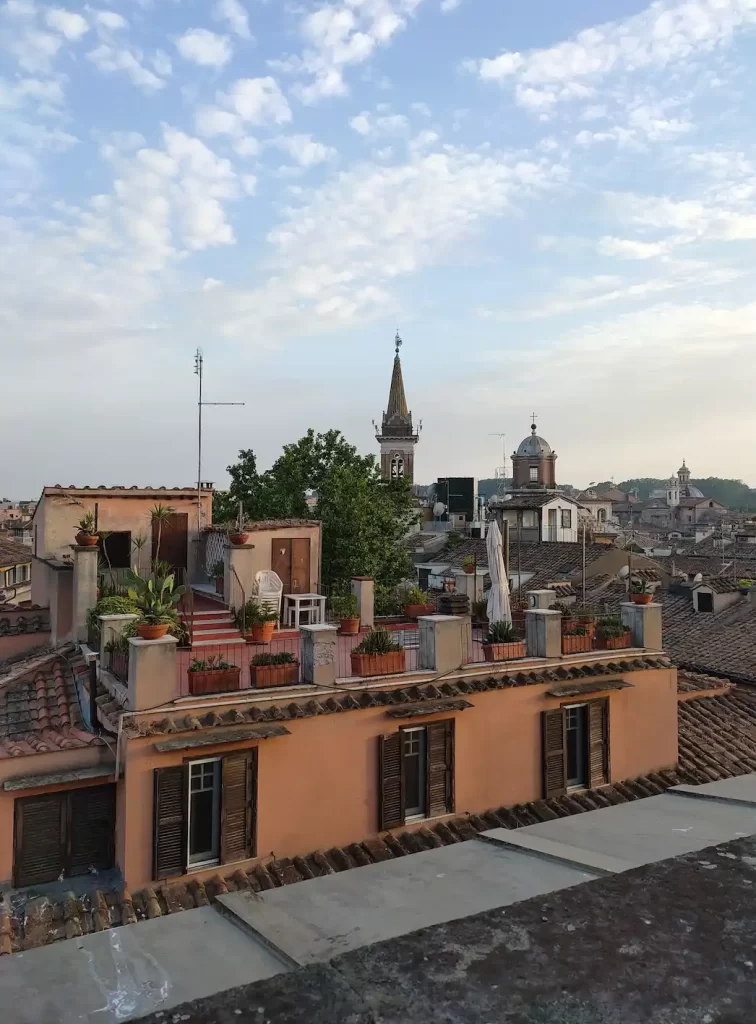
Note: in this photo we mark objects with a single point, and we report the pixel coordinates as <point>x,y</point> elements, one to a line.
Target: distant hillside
<point>733,493</point>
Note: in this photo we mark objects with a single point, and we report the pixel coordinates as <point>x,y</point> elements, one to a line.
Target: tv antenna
<point>198,369</point>
<point>501,471</point>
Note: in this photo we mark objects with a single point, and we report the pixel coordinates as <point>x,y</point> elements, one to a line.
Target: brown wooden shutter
<point>554,753</point>
<point>598,742</point>
<point>238,805</point>
<point>92,825</point>
<point>440,773</point>
<point>170,824</point>
<point>390,781</point>
<point>40,825</point>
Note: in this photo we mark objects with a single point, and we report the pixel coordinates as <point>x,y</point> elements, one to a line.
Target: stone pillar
<point>471,584</point>
<point>543,633</point>
<point>441,643</point>
<point>153,678</point>
<point>541,598</point>
<point>111,627</point>
<point>319,654</point>
<point>241,558</point>
<point>645,623</point>
<point>363,588</point>
<point>84,587</point>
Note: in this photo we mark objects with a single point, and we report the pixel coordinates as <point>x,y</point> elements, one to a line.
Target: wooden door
<point>174,545</point>
<point>290,559</point>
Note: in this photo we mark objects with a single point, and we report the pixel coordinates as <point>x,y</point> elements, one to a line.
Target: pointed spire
<point>397,403</point>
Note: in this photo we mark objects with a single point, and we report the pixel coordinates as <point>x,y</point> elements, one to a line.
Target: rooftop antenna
<point>198,369</point>
<point>501,471</point>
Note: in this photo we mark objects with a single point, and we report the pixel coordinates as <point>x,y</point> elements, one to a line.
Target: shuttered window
<point>67,833</point>
<point>236,813</point>
<point>400,774</point>
<point>587,762</point>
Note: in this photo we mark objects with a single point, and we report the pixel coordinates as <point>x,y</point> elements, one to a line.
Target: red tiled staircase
<point>213,623</point>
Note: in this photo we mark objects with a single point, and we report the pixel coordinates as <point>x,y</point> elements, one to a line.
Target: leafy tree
<point>364,520</point>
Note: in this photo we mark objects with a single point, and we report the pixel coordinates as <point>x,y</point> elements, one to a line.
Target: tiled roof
<point>721,643</point>
<point>717,740</point>
<point>696,684</point>
<point>719,584</point>
<point>12,553</point>
<point>267,524</point>
<point>526,499</point>
<point>51,489</point>
<point>39,709</point>
<point>707,565</point>
<point>474,548</point>
<point>252,713</point>
<point>559,558</point>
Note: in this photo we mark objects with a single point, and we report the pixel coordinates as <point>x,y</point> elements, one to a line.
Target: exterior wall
<point>20,642</point>
<point>498,761</point>
<point>37,764</point>
<point>402,450</point>
<point>521,465</point>
<point>58,514</point>
<point>559,534</point>
<point>263,541</point>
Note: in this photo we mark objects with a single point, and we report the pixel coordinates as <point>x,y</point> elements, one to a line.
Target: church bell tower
<point>396,435</point>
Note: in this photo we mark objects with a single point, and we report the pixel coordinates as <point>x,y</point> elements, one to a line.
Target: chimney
<point>645,623</point>
<point>153,676</point>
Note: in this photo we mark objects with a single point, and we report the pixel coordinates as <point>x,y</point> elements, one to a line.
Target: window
<point>416,774</point>
<point>534,474</point>
<point>705,601</point>
<point>530,520</point>
<point>601,515</point>
<point>204,812</point>
<point>116,549</point>
<point>575,747</point>
<point>566,518</point>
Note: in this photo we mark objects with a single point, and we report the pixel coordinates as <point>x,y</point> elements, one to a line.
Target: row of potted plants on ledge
<point>256,622</point>
<point>214,675</point>
<point>605,633</point>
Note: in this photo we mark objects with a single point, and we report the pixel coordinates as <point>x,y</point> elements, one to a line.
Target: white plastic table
<point>303,609</point>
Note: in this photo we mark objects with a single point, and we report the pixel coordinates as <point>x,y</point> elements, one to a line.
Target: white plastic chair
<point>269,590</point>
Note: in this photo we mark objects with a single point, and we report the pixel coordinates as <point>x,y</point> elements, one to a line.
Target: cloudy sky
<point>553,200</point>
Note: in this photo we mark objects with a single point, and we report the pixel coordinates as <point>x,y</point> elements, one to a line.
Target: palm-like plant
<point>156,597</point>
<point>160,516</point>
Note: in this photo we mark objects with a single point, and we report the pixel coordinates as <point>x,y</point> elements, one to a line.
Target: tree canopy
<point>364,519</point>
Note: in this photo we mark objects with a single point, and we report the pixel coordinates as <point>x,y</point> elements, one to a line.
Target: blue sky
<point>553,201</point>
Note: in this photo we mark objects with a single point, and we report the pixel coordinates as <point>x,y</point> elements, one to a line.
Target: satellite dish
<point>507,497</point>
<point>438,509</point>
<point>623,572</point>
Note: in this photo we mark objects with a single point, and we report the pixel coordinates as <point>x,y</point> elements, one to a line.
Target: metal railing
<point>118,664</point>
<point>186,612</point>
<point>237,598</point>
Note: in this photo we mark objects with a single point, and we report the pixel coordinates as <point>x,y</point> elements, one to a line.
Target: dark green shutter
<point>170,824</point>
<point>390,781</point>
<point>440,773</point>
<point>40,846</point>
<point>238,802</point>
<point>598,742</point>
<point>92,827</point>
<point>554,753</point>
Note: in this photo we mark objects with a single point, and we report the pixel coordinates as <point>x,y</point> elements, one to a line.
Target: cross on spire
<point>397,341</point>
<point>533,416</point>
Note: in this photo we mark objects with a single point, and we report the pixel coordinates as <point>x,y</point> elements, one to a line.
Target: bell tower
<point>396,435</point>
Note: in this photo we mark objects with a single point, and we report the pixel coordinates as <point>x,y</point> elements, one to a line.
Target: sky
<point>552,201</point>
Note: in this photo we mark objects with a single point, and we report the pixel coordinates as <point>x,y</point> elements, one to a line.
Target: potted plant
<point>87,536</point>
<point>585,617</point>
<point>468,564</point>
<point>236,533</point>
<point>280,669</point>
<point>213,675</point>
<point>156,599</point>
<point>218,573</point>
<point>501,644</point>
<point>378,654</point>
<point>346,609</point>
<point>576,640</point>
<point>612,634</point>
<point>259,619</point>
<point>480,611</point>
<point>416,602</point>
<point>639,592</point>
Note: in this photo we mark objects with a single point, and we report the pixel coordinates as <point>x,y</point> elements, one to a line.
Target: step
<point>237,641</point>
<point>211,613</point>
<point>207,634</point>
<point>220,620</point>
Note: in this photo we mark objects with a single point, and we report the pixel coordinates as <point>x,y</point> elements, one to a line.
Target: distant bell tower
<point>396,435</point>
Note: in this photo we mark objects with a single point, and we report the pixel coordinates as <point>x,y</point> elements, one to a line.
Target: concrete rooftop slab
<point>116,975</point>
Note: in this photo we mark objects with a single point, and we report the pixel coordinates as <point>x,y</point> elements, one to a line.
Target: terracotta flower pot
<point>413,611</point>
<point>261,676</point>
<point>378,664</point>
<point>504,652</point>
<point>151,631</point>
<point>641,598</point>
<point>87,540</point>
<point>349,627</point>
<point>576,644</point>
<point>218,584</point>
<point>215,680</point>
<point>613,643</point>
<point>262,633</point>
<point>469,569</point>
<point>239,538</point>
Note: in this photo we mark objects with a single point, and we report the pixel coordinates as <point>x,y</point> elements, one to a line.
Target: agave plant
<point>155,597</point>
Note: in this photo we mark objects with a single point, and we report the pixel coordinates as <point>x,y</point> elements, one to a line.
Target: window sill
<point>202,865</point>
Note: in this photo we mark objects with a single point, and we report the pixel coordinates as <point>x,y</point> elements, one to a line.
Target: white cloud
<point>337,36</point>
<point>388,124</point>
<point>210,283</point>
<point>304,149</point>
<point>204,48</point>
<point>422,108</point>
<point>111,59</point>
<point>110,20</point>
<point>447,6</point>
<point>258,101</point>
<point>664,34</point>
<point>630,249</point>
<point>234,14</point>
<point>69,24</point>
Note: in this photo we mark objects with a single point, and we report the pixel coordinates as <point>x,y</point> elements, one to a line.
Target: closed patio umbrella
<point>498,607</point>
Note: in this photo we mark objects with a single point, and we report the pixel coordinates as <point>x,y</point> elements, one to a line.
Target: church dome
<point>693,492</point>
<point>534,446</point>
